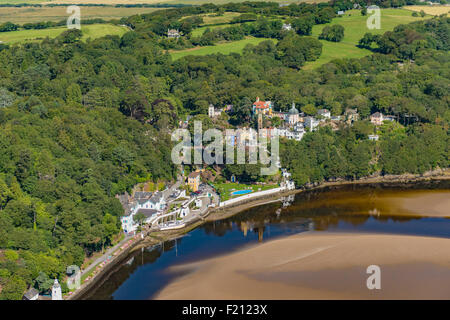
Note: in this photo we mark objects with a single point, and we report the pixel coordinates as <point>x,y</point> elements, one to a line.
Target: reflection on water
<point>339,209</point>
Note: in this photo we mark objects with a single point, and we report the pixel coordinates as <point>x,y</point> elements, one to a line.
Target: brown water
<point>407,210</point>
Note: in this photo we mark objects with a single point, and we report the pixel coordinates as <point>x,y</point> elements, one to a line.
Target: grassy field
<point>31,14</point>
<point>355,28</point>
<point>89,31</point>
<point>224,48</point>
<point>431,10</point>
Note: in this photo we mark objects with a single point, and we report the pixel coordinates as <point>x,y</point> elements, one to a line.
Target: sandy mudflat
<point>321,265</point>
<point>432,204</point>
<point>412,203</point>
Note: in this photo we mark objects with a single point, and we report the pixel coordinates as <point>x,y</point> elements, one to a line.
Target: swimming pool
<point>239,192</point>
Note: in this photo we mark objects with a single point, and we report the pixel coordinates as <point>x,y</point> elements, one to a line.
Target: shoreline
<point>153,238</point>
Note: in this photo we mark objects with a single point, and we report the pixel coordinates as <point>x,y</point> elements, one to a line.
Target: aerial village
<point>190,198</point>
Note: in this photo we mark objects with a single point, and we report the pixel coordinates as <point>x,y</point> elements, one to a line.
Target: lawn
<point>355,28</point>
<point>225,189</point>
<point>224,48</point>
<point>32,14</point>
<point>89,31</point>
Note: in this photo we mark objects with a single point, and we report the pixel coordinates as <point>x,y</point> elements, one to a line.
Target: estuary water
<point>417,210</point>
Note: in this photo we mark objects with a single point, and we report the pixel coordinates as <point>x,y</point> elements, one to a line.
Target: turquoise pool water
<point>239,192</point>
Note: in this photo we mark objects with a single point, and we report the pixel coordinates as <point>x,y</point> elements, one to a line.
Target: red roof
<point>261,104</point>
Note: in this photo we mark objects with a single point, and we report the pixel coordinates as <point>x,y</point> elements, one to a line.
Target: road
<point>108,253</point>
<point>173,187</point>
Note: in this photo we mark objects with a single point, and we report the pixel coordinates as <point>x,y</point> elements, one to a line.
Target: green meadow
<point>89,31</point>
<point>353,22</point>
<point>224,48</point>
<point>355,28</point>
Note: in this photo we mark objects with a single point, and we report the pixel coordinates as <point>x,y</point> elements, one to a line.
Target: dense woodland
<point>83,121</point>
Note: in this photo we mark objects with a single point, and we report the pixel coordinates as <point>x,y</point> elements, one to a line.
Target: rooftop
<point>261,104</point>
<point>31,293</point>
<point>156,197</point>
<point>139,195</point>
<point>377,115</point>
<point>293,110</point>
<point>194,174</point>
<point>147,212</point>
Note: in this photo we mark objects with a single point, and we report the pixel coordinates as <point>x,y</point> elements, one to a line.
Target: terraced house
<point>147,203</point>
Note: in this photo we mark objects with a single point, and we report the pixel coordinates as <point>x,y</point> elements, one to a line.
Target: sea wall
<point>251,196</point>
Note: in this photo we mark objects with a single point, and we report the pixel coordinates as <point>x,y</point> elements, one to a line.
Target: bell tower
<point>260,122</point>
<point>56,291</point>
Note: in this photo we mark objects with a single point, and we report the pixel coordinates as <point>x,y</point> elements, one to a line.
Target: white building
<point>298,133</point>
<point>324,113</point>
<point>285,173</point>
<point>56,291</point>
<point>290,185</point>
<point>213,112</point>
<point>373,137</point>
<point>184,211</point>
<point>311,123</point>
<point>147,203</point>
<point>172,33</point>
<point>287,27</point>
<point>377,118</point>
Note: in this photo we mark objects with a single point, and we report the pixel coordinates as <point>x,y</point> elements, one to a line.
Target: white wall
<point>250,196</point>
